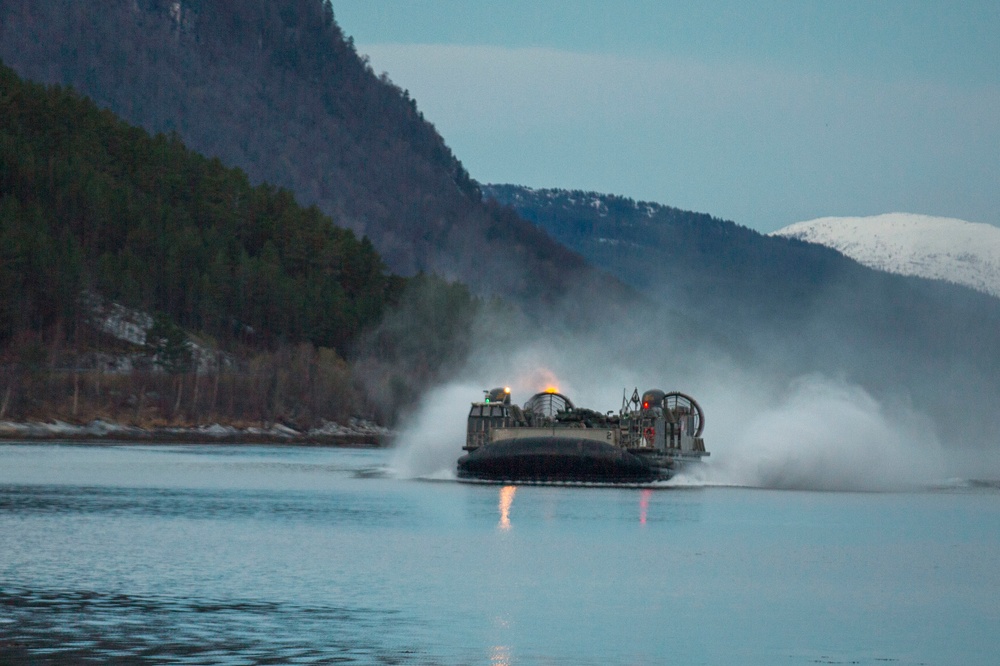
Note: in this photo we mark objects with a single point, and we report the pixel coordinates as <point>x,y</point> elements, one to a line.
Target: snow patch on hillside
<point>966,253</point>
<point>129,325</point>
<point>572,199</point>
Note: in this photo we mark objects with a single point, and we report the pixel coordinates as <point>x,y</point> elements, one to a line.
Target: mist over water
<point>765,430</point>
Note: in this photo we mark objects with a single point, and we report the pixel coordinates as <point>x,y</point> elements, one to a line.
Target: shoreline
<point>356,434</point>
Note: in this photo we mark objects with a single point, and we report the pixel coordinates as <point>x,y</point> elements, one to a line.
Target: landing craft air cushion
<point>550,440</point>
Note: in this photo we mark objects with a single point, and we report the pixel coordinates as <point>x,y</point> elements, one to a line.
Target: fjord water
<point>242,555</point>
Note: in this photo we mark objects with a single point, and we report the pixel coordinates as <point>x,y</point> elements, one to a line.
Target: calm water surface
<point>251,555</point>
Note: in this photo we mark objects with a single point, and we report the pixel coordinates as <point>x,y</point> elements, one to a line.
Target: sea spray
<point>824,434</point>
<point>811,432</point>
<point>431,440</point>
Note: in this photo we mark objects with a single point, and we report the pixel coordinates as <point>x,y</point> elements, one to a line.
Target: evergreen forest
<point>93,210</point>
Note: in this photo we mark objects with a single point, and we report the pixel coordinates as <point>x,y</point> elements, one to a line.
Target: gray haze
<point>767,425</point>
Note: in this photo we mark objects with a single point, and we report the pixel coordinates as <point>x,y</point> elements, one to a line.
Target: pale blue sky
<point>765,113</point>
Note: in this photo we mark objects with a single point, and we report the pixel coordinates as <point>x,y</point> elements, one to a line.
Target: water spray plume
<point>824,434</point>
<point>767,428</point>
<point>431,440</point>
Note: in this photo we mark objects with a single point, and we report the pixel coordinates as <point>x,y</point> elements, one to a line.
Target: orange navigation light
<point>551,389</point>
<point>497,395</point>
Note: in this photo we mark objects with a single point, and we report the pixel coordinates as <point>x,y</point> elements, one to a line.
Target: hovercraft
<point>549,440</point>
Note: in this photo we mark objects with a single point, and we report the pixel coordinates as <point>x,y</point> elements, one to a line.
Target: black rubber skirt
<point>554,459</point>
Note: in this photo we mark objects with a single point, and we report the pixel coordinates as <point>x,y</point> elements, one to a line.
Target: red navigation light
<point>645,405</point>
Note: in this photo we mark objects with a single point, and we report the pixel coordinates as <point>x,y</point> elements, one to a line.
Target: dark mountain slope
<point>691,259</point>
<point>274,87</point>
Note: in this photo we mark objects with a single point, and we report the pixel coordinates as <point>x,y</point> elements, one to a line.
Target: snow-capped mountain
<point>940,248</point>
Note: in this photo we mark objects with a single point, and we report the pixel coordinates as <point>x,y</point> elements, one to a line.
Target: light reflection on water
<point>506,500</point>
<point>644,496</point>
<point>500,656</point>
<point>246,555</point>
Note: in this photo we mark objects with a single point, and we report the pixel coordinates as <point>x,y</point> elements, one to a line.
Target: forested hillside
<point>680,256</point>
<point>90,202</point>
<point>93,210</point>
<point>688,259</point>
<point>276,88</point>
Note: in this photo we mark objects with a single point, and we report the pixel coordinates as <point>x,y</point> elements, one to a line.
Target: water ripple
<point>327,508</point>
<point>80,626</point>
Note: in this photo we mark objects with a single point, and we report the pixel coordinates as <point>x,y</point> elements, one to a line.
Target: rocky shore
<point>356,432</point>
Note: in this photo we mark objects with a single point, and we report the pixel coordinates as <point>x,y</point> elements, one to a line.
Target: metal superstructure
<point>550,439</point>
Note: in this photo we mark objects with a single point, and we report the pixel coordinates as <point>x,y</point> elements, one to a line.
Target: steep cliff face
<point>276,88</point>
